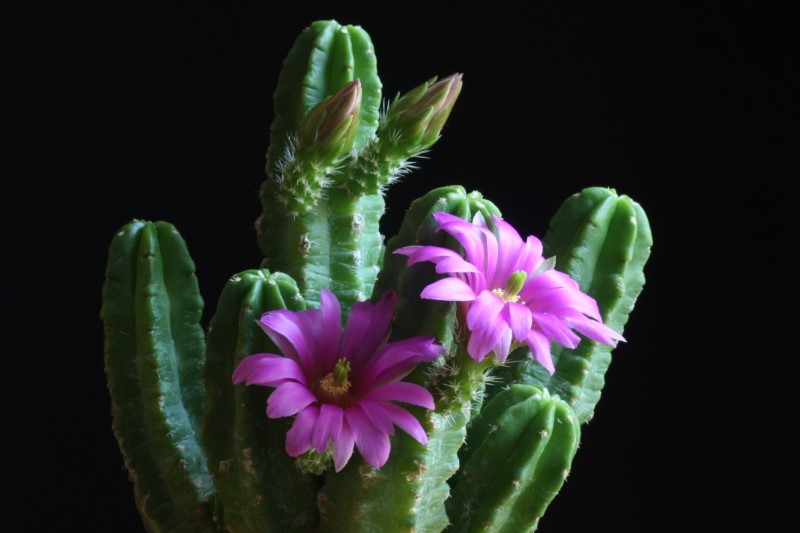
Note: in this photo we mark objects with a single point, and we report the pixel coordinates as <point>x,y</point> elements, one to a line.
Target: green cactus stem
<point>258,486</point>
<point>324,58</point>
<point>409,491</point>
<point>524,442</point>
<point>320,220</point>
<point>603,241</point>
<point>154,355</point>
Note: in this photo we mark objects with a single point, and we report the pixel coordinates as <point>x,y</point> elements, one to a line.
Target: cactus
<point>154,352</point>
<point>202,453</point>
<point>410,490</point>
<point>601,240</point>
<point>521,449</point>
<point>245,452</point>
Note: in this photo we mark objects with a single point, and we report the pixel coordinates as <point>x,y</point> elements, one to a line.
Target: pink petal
<point>503,345</point>
<point>331,324</point>
<point>469,236</point>
<point>408,250</point>
<point>367,329</point>
<point>556,329</point>
<point>288,399</point>
<point>595,330</point>
<point>448,290</point>
<point>407,422</point>
<point>509,248</point>
<point>484,310</point>
<point>540,347</point>
<point>283,327</point>
<point>395,360</point>
<point>274,371</point>
<point>371,443</point>
<point>531,256</point>
<point>433,254</point>
<point>298,438</point>
<point>250,364</point>
<point>455,265</point>
<point>552,289</point>
<point>401,391</point>
<point>484,341</point>
<point>328,426</point>
<point>343,447</point>
<point>376,415</point>
<point>519,319</point>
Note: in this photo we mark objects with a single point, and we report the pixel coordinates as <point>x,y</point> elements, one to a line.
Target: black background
<point>165,114</point>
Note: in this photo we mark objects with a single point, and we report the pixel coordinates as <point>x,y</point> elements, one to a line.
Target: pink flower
<point>508,291</point>
<point>340,384</point>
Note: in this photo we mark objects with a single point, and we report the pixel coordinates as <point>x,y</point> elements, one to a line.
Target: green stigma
<point>510,292</point>
<point>336,383</point>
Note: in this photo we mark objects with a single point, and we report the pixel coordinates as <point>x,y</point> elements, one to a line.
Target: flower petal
<point>455,265</point>
<point>343,447</point>
<point>484,310</point>
<point>270,372</point>
<point>434,254</point>
<point>401,391</point>
<point>367,329</point>
<point>407,422</point>
<point>298,438</point>
<point>328,426</point>
<point>484,341</point>
<point>288,399</point>
<point>531,256</point>
<point>284,328</point>
<point>540,347</point>
<point>394,360</point>
<point>519,320</point>
<point>449,290</point>
<point>509,249</point>
<point>596,331</point>
<point>375,413</point>
<point>327,344</point>
<point>470,236</point>
<point>250,364</point>
<point>503,345</point>
<point>372,444</point>
<point>556,329</point>
<point>551,290</point>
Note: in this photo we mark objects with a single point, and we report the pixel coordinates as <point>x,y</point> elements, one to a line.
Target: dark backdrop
<point>165,115</point>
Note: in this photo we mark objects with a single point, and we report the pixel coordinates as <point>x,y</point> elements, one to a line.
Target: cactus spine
<point>488,466</point>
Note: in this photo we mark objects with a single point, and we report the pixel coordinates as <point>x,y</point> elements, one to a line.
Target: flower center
<point>510,293</point>
<point>333,387</point>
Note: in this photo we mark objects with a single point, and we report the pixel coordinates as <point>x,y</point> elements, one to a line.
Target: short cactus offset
<point>472,454</point>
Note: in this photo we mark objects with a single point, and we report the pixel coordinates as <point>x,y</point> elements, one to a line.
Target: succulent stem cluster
<point>200,451</point>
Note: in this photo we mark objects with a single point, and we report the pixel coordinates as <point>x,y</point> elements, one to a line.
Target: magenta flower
<point>340,384</point>
<point>508,291</point>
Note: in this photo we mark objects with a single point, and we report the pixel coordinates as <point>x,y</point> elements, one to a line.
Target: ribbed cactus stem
<point>246,450</point>
<point>154,354</point>
<point>519,454</point>
<point>602,241</point>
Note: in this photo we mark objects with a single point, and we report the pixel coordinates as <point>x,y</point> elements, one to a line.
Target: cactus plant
<point>358,339</point>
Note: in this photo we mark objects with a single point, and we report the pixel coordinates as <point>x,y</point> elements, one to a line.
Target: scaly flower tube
<point>508,291</point>
<point>340,384</point>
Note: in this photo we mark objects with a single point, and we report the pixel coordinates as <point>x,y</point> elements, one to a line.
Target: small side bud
<point>328,131</point>
<point>417,117</point>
